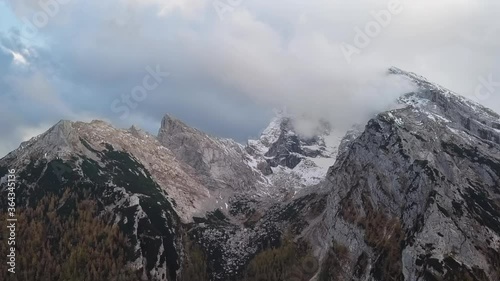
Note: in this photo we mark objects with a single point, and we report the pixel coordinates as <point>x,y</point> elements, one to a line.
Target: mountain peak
<point>437,95</point>
<point>220,162</point>
<point>420,81</point>
<point>296,147</point>
<point>137,132</point>
<point>171,125</point>
<point>56,140</point>
<point>416,176</point>
<point>63,128</point>
<point>442,106</point>
<point>169,118</point>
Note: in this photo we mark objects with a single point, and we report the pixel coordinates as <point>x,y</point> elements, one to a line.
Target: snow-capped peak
<point>295,152</point>
<point>271,134</point>
<point>438,96</point>
<point>455,111</point>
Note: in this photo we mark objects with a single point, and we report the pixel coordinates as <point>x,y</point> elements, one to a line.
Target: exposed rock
<point>265,168</point>
<point>222,162</point>
<point>414,195</point>
<point>427,175</point>
<point>297,160</point>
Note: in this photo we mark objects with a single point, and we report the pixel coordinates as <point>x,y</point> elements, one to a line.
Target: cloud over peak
<point>231,62</point>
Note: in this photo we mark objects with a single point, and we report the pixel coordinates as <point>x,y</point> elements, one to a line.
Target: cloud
<point>17,58</point>
<point>186,7</point>
<point>227,75</point>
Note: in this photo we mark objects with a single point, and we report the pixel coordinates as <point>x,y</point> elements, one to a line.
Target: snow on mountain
<point>293,160</point>
<point>78,139</point>
<point>414,195</point>
<point>223,165</point>
<point>132,178</point>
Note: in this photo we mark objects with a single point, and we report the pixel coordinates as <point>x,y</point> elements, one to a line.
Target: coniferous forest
<point>75,246</point>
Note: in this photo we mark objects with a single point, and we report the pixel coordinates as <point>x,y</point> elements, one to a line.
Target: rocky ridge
<point>415,195</point>
<point>434,216</point>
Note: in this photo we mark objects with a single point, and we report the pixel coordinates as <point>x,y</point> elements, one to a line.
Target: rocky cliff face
<point>292,158</point>
<point>152,186</point>
<point>281,161</point>
<point>414,195</point>
<point>222,162</point>
<point>130,176</point>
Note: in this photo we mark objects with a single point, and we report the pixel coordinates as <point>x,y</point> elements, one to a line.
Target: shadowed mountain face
<point>415,195</point>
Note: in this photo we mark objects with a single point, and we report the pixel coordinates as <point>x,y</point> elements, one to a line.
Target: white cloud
<point>17,58</point>
<point>188,8</point>
<point>273,53</point>
<point>36,87</point>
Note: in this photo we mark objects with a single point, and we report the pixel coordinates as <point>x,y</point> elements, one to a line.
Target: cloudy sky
<point>230,62</point>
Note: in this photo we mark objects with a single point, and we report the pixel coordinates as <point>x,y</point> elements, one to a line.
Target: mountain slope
<point>222,162</point>
<point>292,159</point>
<point>128,174</point>
<point>417,195</point>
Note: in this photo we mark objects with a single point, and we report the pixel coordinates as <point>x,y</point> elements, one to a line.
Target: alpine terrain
<point>412,195</point>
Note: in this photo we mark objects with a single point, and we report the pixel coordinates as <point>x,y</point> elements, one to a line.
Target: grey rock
<point>414,195</point>
<point>429,174</point>
<point>222,162</point>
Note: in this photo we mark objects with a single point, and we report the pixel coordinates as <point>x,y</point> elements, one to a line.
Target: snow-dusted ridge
<point>424,84</point>
<point>292,161</point>
<point>414,193</point>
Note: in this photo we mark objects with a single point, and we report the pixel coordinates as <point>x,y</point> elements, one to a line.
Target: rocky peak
<point>173,126</point>
<point>295,151</point>
<point>412,196</point>
<point>440,96</point>
<point>416,194</point>
<point>94,141</point>
<point>274,130</point>
<point>222,162</point>
<point>138,132</point>
<point>133,178</point>
<point>56,142</point>
<point>447,107</point>
<point>282,138</point>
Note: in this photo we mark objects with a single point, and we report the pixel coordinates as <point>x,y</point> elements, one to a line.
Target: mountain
<point>414,195</point>
<point>127,173</point>
<point>222,162</point>
<point>295,152</point>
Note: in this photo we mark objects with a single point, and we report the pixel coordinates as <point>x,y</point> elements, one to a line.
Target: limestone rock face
<point>222,162</point>
<point>131,176</point>
<point>296,159</point>
<point>413,195</point>
<point>417,195</point>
